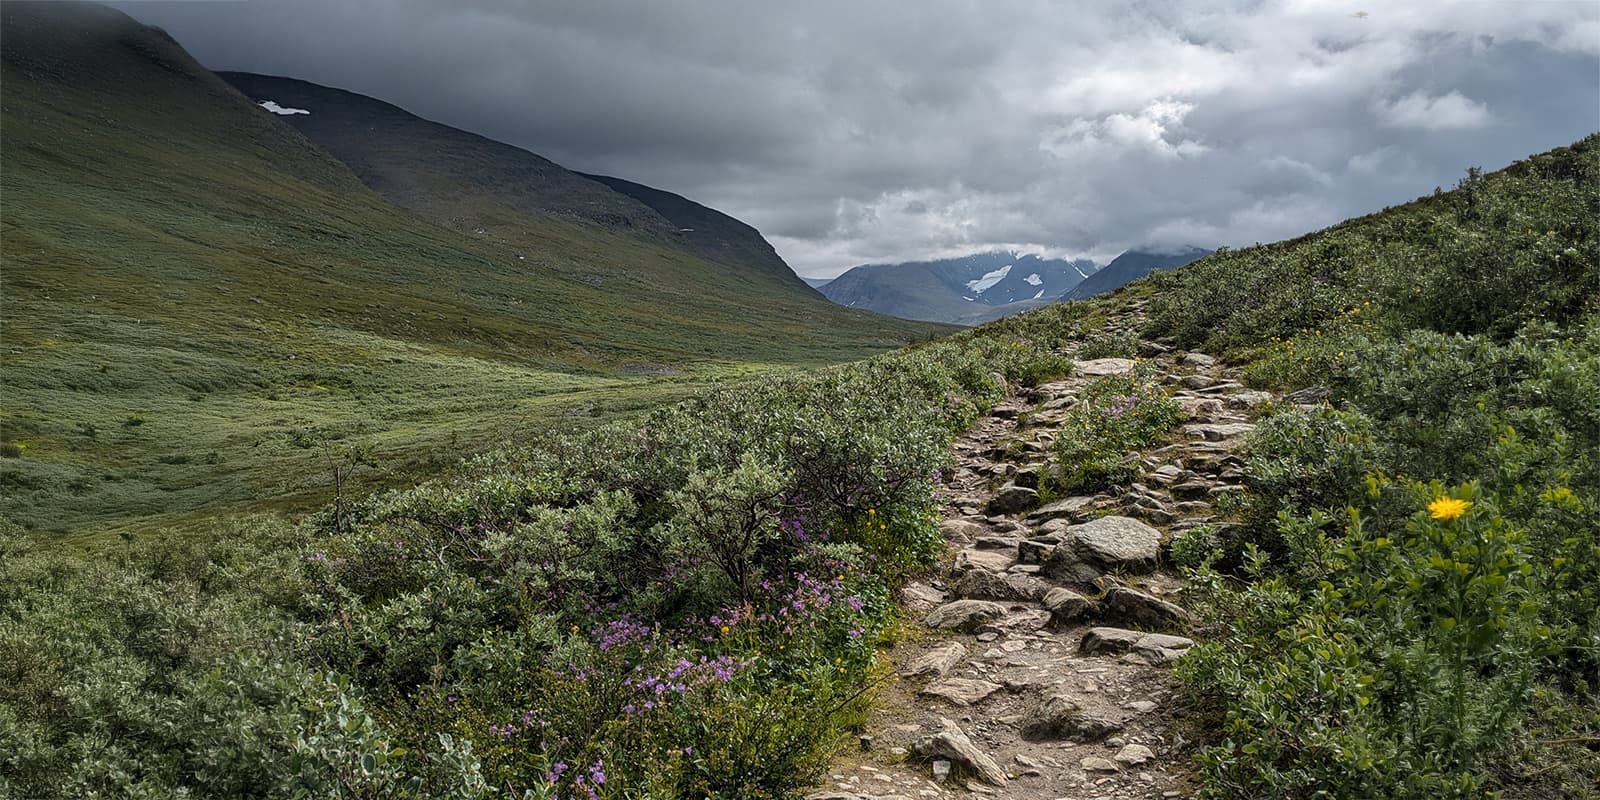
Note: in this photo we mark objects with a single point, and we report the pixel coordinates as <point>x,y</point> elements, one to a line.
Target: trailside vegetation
<point>688,603</point>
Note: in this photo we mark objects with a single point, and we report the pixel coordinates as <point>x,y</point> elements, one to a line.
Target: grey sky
<point>852,131</point>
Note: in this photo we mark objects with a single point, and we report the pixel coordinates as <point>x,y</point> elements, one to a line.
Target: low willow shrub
<point>1413,582</point>
<point>1115,415</point>
<point>687,604</point>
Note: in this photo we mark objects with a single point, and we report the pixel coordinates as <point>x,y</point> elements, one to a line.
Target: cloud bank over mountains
<point>856,132</point>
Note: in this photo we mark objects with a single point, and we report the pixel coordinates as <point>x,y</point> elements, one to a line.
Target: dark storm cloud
<point>851,132</point>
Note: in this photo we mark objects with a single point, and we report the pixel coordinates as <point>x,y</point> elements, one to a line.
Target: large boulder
<point>1108,544</point>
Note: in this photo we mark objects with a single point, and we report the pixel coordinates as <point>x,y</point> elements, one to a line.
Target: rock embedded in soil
<point>1058,717</point>
<point>1108,641</point>
<point>1066,605</point>
<point>965,614</point>
<point>937,661</point>
<point>1013,499</point>
<point>961,691</point>
<point>1072,508</point>
<point>1133,606</point>
<point>953,745</point>
<point>961,531</point>
<point>1100,367</point>
<point>1158,649</point>
<point>921,596</point>
<point>1098,764</point>
<point>1112,543</point>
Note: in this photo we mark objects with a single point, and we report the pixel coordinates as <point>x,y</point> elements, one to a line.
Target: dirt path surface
<point>1041,664</point>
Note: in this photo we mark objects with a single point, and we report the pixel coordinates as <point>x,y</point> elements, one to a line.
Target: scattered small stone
<point>1098,764</point>
<point>1133,755</point>
<point>941,770</point>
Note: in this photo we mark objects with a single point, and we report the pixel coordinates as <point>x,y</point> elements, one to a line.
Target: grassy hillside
<point>507,194</point>
<point>201,308</point>
<point>1402,605</point>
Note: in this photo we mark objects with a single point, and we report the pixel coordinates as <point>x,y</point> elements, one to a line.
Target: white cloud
<point>1444,112</point>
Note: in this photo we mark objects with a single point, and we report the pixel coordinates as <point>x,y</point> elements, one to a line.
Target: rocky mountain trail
<point>1040,661</point>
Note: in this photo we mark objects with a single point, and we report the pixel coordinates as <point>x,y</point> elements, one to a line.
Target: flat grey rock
<point>961,691</point>
<point>965,614</point>
<point>937,661</point>
<point>1100,367</point>
<point>1108,641</point>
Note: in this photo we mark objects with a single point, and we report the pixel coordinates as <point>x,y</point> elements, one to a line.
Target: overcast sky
<point>857,131</point>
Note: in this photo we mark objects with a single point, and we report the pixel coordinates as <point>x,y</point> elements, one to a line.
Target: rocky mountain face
<point>965,291</point>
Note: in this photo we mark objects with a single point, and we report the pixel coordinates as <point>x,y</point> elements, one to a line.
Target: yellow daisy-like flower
<point>1448,508</point>
<point>724,629</point>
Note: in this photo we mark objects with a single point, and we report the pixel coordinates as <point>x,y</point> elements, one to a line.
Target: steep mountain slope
<point>966,290</point>
<point>461,179</point>
<point>706,231</point>
<point>198,299</point>
<point>1131,266</point>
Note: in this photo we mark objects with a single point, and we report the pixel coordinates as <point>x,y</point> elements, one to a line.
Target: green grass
<point>171,253</point>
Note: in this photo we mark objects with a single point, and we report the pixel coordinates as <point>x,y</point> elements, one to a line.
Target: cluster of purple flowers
<point>653,691</point>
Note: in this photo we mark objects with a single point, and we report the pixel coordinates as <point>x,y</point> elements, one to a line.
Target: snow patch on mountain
<point>273,106</point>
<point>1033,280</point>
<point>989,279</point>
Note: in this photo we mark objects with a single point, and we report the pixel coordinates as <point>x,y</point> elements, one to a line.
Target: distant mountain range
<point>966,290</point>
<point>973,289</point>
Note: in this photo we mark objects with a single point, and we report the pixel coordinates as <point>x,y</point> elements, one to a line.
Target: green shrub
<point>1115,414</point>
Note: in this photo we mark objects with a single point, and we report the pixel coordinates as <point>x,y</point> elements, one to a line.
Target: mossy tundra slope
<point>204,310</point>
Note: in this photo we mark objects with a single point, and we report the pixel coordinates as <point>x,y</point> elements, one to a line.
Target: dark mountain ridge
<point>447,174</point>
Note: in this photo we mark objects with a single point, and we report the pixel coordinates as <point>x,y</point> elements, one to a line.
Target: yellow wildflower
<point>1448,508</point>
<point>724,629</point>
